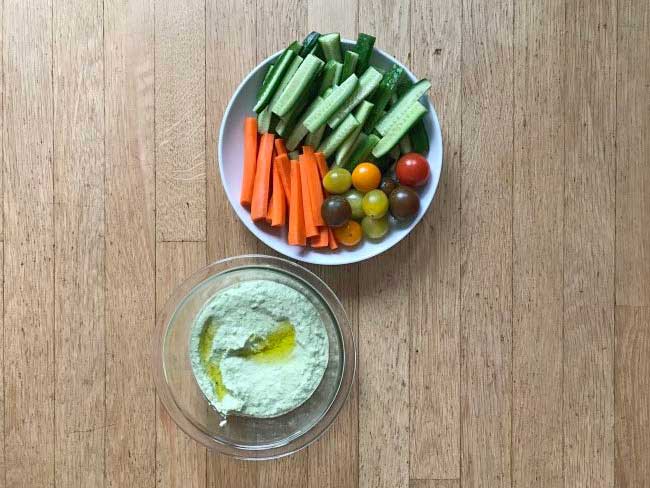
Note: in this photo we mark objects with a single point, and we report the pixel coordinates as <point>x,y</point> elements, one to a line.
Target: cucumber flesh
<point>361,153</point>
<point>331,104</point>
<point>400,127</point>
<point>264,120</point>
<point>403,104</point>
<point>382,96</point>
<point>298,84</point>
<point>363,48</point>
<point>345,150</point>
<point>275,77</point>
<point>300,131</point>
<point>314,138</point>
<point>337,74</point>
<point>331,46</point>
<point>368,82</point>
<point>309,44</point>
<point>336,138</point>
<point>291,70</point>
<point>349,64</point>
<point>329,75</point>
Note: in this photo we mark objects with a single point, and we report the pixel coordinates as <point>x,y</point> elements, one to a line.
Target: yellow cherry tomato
<point>350,234</point>
<point>366,177</point>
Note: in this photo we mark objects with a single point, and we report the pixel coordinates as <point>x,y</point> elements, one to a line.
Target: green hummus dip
<point>259,349</point>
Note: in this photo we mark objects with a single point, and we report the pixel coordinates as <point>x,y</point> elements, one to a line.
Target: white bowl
<point>231,154</point>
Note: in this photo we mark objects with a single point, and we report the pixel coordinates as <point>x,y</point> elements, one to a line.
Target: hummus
<point>259,349</point>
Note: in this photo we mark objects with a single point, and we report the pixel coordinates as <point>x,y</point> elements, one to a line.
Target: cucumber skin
<point>362,152</point>
<point>384,93</point>
<point>363,47</point>
<point>264,120</point>
<point>368,83</point>
<point>267,91</point>
<point>311,40</point>
<point>308,69</point>
<point>405,145</point>
<point>299,132</point>
<point>349,64</point>
<point>386,122</point>
<point>347,148</point>
<point>336,138</point>
<point>331,46</point>
<point>399,128</point>
<point>329,75</point>
<point>339,95</point>
<point>419,138</point>
<point>314,138</point>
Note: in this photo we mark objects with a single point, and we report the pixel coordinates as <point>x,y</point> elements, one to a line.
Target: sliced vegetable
<point>404,104</point>
<point>349,64</point>
<point>250,161</point>
<point>286,125</point>
<point>284,170</point>
<point>310,224</point>
<point>345,150</point>
<point>326,108</point>
<point>260,202</point>
<point>322,239</point>
<point>294,154</point>
<point>405,145</point>
<point>296,234</point>
<point>330,75</point>
<point>314,138</point>
<point>419,138</point>
<point>309,44</point>
<point>331,46</point>
<point>278,199</point>
<point>363,148</point>
<point>395,152</point>
<point>275,77</point>
<point>300,131</point>
<point>368,82</point>
<point>382,96</point>
<point>336,138</point>
<point>264,120</point>
<point>400,127</point>
<point>322,164</point>
<point>280,147</point>
<point>298,84</point>
<point>363,48</point>
<point>332,240</point>
<point>315,187</point>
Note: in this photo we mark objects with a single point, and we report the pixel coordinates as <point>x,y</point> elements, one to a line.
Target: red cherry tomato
<point>412,169</point>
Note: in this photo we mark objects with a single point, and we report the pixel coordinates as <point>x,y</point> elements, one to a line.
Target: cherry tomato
<point>348,235</point>
<point>337,180</point>
<point>336,211</point>
<point>412,169</point>
<point>354,198</point>
<point>375,204</point>
<point>387,185</point>
<point>375,228</point>
<point>404,203</point>
<point>366,177</point>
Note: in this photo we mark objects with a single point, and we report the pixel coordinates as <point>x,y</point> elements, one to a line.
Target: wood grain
<point>334,16</point>
<point>383,314</point>
<point>486,237</point>
<point>180,120</point>
<point>79,243</point>
<point>180,461</point>
<point>590,123</point>
<point>632,350</point>
<point>3,465</point>
<point>538,245</point>
<point>130,242</point>
<point>226,236</point>
<point>434,258</point>
<point>440,483</point>
<point>29,246</point>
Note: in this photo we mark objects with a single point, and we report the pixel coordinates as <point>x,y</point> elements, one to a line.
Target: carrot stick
<point>310,224</point>
<point>261,188</point>
<point>322,239</point>
<point>268,211</point>
<point>278,207</point>
<point>250,160</point>
<point>307,149</point>
<point>296,235</point>
<point>315,188</point>
<point>322,164</point>
<point>284,167</point>
<point>332,240</point>
<point>280,148</point>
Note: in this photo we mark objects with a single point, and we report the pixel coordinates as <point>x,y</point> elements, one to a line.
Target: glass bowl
<point>238,436</point>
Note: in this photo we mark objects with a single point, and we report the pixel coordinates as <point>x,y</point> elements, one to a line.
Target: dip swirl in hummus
<point>258,348</point>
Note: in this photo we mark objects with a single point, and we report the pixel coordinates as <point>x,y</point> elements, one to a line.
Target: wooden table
<point>505,343</point>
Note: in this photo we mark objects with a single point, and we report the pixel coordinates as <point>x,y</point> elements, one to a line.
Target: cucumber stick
<point>345,150</point>
<point>400,127</point>
<point>364,147</point>
<point>331,46</point>
<point>309,44</point>
<point>403,105</point>
<point>405,145</point>
<point>300,131</point>
<point>329,75</point>
<point>363,48</point>
<point>291,70</point>
<point>349,64</point>
<point>299,82</point>
<point>382,96</point>
<point>368,82</point>
<point>264,120</point>
<point>294,155</point>
<point>313,138</point>
<point>331,104</point>
<point>395,152</point>
<point>337,74</point>
<point>419,138</point>
<point>336,138</point>
<point>274,79</point>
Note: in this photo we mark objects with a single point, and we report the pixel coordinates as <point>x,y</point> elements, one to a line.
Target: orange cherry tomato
<point>350,234</point>
<point>366,177</point>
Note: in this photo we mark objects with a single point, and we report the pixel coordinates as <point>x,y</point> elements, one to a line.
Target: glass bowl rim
<point>340,320</point>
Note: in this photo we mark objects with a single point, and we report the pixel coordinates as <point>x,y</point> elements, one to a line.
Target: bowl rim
<point>341,322</point>
<point>309,257</point>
